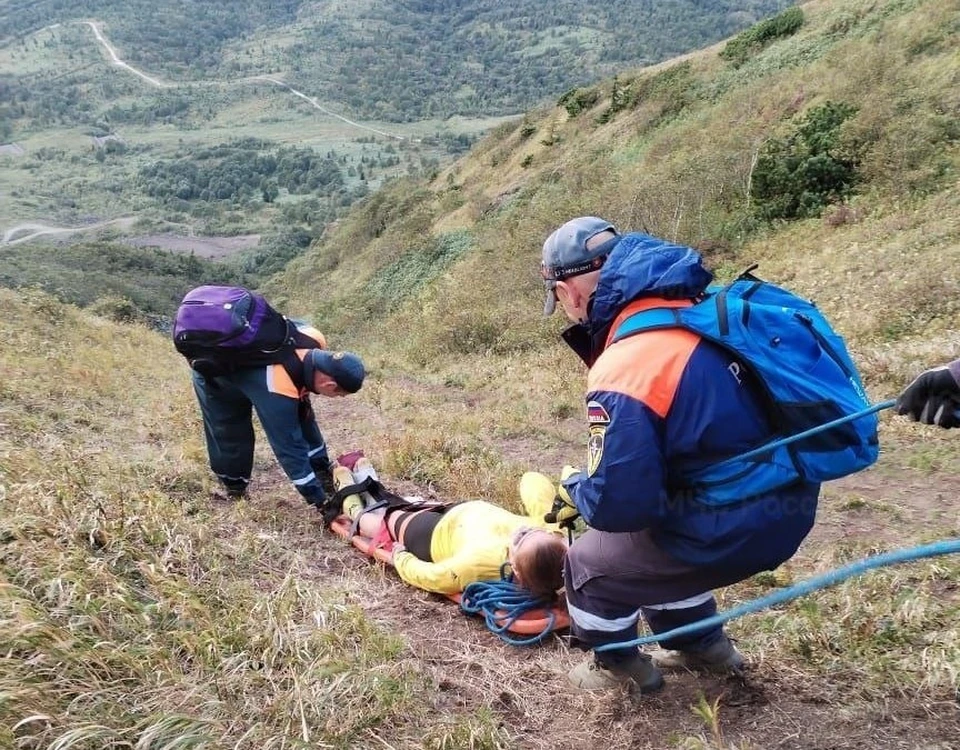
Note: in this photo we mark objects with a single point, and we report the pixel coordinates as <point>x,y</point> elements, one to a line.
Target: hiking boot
<point>235,491</point>
<point>639,675</point>
<point>719,657</point>
<point>325,478</point>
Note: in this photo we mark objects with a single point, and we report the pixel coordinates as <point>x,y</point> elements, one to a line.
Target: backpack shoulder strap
<point>296,339</point>
<point>654,319</point>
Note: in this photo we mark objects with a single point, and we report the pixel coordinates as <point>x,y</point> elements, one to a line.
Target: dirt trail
<point>117,61</point>
<point>158,83</point>
<point>774,706</point>
<point>36,229</point>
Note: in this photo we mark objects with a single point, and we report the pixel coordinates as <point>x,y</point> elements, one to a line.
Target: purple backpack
<point>221,329</point>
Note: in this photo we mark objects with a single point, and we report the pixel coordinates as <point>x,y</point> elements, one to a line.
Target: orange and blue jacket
<point>666,402</point>
<point>279,380</point>
<point>291,428</point>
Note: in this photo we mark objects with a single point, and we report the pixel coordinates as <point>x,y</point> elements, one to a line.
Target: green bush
<point>796,176</point>
<point>576,101</point>
<point>527,129</point>
<point>748,43</point>
<point>619,100</point>
<point>116,308</point>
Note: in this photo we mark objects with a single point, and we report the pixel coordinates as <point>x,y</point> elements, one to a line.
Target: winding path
<point>36,229</point>
<point>111,50</point>
<point>116,60</point>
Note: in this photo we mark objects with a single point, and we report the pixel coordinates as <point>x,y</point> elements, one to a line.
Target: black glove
<point>563,511</point>
<point>305,409</point>
<point>330,509</point>
<point>933,398</point>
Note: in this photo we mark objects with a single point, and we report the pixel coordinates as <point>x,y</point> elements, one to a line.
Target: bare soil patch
<point>203,247</point>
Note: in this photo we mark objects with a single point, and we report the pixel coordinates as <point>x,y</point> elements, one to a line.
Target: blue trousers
<point>613,579</point>
<point>227,404</point>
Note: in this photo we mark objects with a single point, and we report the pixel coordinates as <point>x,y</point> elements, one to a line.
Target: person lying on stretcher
<point>443,547</point>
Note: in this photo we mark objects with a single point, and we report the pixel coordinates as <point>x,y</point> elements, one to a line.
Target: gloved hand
<point>564,510</point>
<point>329,510</point>
<point>933,398</point>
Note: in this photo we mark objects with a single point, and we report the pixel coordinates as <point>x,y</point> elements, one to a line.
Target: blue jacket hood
<point>644,266</point>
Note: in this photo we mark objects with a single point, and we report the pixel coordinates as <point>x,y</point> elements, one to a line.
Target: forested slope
<point>402,60</point>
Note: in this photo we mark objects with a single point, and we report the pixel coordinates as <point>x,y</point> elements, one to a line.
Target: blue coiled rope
<point>502,602</point>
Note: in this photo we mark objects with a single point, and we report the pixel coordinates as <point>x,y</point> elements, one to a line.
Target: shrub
<point>748,43</point>
<point>576,101</point>
<point>116,308</point>
<point>415,268</point>
<point>796,176</point>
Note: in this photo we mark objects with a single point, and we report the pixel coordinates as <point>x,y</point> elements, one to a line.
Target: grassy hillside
<point>134,612</point>
<point>138,611</point>
<point>444,275</point>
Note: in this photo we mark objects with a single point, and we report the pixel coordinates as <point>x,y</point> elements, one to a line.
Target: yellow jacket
<point>471,540</point>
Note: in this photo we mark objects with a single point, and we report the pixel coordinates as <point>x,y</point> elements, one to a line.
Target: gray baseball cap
<point>565,253</point>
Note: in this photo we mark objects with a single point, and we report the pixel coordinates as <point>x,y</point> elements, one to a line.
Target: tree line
<point>242,170</point>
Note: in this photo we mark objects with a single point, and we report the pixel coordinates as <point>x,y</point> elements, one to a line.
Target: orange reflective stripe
<point>279,380</point>
<point>648,366</point>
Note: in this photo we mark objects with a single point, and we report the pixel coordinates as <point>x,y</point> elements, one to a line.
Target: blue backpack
<point>806,377</point>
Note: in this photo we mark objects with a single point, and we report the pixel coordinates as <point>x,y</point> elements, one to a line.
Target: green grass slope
<point>136,613</point>
<point>444,275</point>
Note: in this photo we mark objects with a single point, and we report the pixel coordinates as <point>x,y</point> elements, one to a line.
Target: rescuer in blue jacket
<point>659,404</point>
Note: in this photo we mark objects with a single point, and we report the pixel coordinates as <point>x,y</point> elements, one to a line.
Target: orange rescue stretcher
<point>530,623</point>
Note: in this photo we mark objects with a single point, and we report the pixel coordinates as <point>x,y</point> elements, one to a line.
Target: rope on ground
<point>945,547</point>
<point>501,603</point>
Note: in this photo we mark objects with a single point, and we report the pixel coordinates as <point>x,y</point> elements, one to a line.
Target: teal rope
<point>806,433</point>
<point>945,547</point>
<point>501,603</point>
<point>763,449</point>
